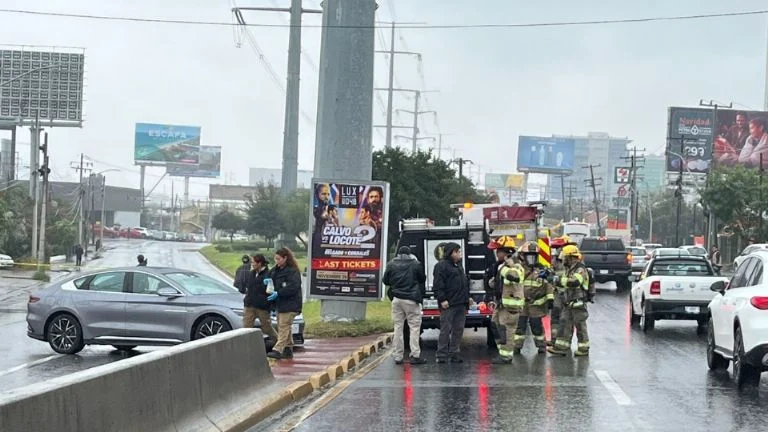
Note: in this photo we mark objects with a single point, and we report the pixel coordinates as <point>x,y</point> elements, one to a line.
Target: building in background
<point>597,148</point>
<point>653,174</point>
<point>275,175</point>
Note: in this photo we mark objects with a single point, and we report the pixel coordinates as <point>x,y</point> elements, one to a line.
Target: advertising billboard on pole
<point>348,239</point>
<point>545,155</point>
<point>689,140</point>
<point>209,166</point>
<point>160,145</point>
<point>742,136</point>
<point>515,182</point>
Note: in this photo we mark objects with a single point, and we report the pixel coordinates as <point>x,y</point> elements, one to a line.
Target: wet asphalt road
<point>632,381</point>
<point>25,361</point>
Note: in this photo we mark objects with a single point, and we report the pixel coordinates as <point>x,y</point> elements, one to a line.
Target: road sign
<point>621,175</point>
<point>621,191</point>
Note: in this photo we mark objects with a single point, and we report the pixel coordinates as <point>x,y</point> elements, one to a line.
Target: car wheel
<point>714,360</point>
<point>124,347</point>
<point>65,335</point>
<point>634,319</point>
<point>210,326</point>
<point>646,323</point>
<point>743,373</point>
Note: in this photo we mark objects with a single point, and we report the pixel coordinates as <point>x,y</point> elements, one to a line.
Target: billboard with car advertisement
<point>689,140</point>
<point>209,166</point>
<point>160,145</point>
<point>348,239</point>
<point>742,136</point>
<point>545,155</point>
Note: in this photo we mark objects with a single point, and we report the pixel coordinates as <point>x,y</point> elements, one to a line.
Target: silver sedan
<point>128,307</point>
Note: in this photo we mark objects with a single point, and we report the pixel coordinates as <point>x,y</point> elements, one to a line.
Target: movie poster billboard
<point>742,136</point>
<point>545,155</point>
<point>348,239</point>
<point>160,145</point>
<point>209,166</point>
<point>689,140</point>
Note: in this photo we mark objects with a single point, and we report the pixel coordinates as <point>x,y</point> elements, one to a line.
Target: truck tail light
<point>759,302</point>
<point>33,299</point>
<point>629,258</point>
<point>656,287</point>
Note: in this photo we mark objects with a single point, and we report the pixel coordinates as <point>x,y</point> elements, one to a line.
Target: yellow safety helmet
<point>503,242</point>
<point>571,250</point>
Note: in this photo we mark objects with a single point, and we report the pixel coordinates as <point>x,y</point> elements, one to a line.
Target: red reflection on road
<point>482,394</point>
<point>408,397</point>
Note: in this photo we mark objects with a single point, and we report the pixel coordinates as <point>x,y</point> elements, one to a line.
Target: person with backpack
<point>576,295</point>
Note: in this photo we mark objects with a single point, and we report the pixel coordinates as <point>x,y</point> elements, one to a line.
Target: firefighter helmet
<point>571,250</point>
<point>503,242</point>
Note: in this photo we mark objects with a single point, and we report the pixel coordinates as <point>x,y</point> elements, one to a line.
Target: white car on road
<point>6,261</point>
<point>673,288</point>
<point>738,323</point>
<point>748,250</point>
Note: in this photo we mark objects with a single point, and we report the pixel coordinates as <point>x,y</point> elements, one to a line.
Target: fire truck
<point>473,229</point>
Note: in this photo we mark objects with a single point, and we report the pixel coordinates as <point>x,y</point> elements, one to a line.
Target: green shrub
<point>223,248</point>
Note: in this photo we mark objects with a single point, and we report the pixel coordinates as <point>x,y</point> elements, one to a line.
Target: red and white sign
<point>621,175</point>
<point>621,191</point>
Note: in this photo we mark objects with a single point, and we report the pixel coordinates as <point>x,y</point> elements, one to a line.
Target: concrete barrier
<point>218,383</point>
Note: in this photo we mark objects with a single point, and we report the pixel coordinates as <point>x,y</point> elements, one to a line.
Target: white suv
<point>738,323</point>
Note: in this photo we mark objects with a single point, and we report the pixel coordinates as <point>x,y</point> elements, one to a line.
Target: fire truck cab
<point>472,231</point>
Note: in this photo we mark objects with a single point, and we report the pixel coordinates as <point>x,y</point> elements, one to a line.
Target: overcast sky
<point>495,84</point>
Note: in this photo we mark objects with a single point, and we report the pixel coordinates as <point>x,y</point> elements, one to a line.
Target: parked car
<point>131,233</point>
<point>650,247</point>
<point>131,306</point>
<point>143,232</point>
<point>738,321</point>
<point>748,250</point>
<point>6,261</point>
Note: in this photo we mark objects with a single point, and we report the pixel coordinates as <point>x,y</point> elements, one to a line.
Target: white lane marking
<point>613,388</point>
<point>30,364</point>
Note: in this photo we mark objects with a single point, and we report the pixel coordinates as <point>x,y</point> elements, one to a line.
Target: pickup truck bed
<point>609,260</point>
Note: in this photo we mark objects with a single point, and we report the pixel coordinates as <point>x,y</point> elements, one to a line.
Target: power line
<point>415,26</point>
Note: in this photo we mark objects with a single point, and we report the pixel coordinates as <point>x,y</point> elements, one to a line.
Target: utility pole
<point>390,89</point>
<point>562,196</point>
<point>81,167</point>
<point>571,190</point>
<point>103,206</point>
<point>34,191</point>
<point>416,113</point>
<point>440,145</point>
<point>712,220</point>
<point>173,206</point>
<point>762,206</point>
<point>292,95</point>
<point>634,164</point>
<point>592,182</point>
<point>44,171</point>
<point>679,191</point>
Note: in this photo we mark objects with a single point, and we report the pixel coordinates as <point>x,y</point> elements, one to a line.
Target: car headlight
<point>240,312</point>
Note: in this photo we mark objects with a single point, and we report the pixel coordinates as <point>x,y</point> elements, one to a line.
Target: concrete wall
<point>213,384</point>
<point>127,219</point>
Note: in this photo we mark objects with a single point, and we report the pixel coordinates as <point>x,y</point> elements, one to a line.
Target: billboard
<point>209,166</point>
<point>545,155</point>
<point>514,182</point>
<point>741,137</point>
<point>348,239</point>
<point>47,84</point>
<point>157,144</point>
<point>695,127</point>
<point>621,175</point>
<point>221,192</point>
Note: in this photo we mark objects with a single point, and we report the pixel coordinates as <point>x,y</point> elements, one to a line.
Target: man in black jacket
<point>241,275</point>
<point>452,288</point>
<point>405,278</point>
<point>255,301</point>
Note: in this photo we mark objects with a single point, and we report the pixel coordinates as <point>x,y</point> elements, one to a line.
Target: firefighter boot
<point>555,350</point>
<point>499,359</point>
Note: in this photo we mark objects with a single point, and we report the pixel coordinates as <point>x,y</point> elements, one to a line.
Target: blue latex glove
<point>266,281</point>
<point>543,274</point>
<point>272,297</point>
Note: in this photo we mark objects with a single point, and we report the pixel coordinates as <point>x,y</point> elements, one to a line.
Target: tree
<point>265,217</point>
<point>663,207</point>
<point>229,222</point>
<point>420,186</point>
<point>295,214</point>
<point>733,194</point>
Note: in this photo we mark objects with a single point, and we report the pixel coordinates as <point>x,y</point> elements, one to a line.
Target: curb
<point>301,389</point>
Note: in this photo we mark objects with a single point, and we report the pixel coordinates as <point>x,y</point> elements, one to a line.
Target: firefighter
<point>575,285</point>
<point>559,270</point>
<point>509,279</point>
<point>539,296</point>
<point>504,247</point>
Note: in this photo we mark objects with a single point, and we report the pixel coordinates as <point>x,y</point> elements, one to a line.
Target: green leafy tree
<point>733,194</point>
<point>663,207</point>
<point>295,214</point>
<point>229,222</point>
<point>265,214</point>
<point>421,185</point>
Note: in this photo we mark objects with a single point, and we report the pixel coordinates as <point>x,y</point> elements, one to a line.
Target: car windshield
<point>697,251</point>
<point>635,251</point>
<point>659,252</point>
<point>681,268</point>
<point>751,248</point>
<point>602,245</point>
<point>197,284</point>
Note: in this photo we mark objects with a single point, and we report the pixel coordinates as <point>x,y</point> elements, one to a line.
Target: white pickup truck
<point>673,288</point>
